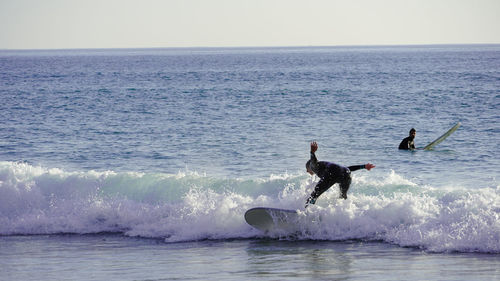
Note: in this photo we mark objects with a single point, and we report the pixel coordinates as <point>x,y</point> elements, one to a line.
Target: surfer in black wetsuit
<point>329,174</point>
<point>408,143</point>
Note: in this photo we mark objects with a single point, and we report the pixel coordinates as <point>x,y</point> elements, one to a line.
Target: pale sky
<point>62,24</point>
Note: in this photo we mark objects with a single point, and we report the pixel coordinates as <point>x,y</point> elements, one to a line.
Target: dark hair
<point>412,130</point>
<point>308,165</point>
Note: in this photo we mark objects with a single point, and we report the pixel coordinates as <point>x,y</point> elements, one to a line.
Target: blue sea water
<point>174,145</point>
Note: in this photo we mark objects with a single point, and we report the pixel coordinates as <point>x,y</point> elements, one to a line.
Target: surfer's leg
<point>322,186</point>
<point>344,186</point>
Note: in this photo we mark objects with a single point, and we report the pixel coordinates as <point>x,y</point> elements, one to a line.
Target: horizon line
<point>254,47</point>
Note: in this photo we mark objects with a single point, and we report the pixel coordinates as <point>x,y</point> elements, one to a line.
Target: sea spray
<point>190,206</point>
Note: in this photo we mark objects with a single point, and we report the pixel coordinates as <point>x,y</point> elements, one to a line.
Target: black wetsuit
<point>329,174</point>
<point>407,143</point>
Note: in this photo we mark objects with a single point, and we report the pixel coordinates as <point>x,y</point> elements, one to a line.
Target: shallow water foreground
<point>117,257</point>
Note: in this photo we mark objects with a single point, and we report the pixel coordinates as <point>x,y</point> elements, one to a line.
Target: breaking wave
<point>190,206</point>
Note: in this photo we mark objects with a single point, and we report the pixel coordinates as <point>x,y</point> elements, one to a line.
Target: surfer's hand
<point>369,166</point>
<point>314,146</point>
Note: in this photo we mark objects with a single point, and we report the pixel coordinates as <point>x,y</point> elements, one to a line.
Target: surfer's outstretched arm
<point>312,164</point>
<point>314,148</point>
<point>367,166</point>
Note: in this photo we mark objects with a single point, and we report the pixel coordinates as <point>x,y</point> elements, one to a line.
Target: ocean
<point>139,164</point>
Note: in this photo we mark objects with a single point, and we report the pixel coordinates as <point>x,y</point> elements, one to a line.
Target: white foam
<point>189,206</point>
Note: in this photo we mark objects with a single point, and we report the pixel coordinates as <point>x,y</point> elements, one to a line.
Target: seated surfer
<point>408,143</point>
<point>329,174</point>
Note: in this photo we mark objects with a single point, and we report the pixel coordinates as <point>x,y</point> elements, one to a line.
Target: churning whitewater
<point>189,206</point>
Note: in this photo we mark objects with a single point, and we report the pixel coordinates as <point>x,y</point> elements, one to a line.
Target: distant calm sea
<point>139,164</point>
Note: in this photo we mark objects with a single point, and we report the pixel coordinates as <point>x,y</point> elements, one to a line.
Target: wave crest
<point>189,206</point>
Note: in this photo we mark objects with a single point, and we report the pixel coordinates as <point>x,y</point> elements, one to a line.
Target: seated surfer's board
<point>442,138</point>
<point>272,220</point>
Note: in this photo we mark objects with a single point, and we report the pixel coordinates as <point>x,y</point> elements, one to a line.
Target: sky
<point>68,24</point>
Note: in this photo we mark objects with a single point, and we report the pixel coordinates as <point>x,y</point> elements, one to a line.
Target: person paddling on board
<point>329,174</point>
<point>408,143</point>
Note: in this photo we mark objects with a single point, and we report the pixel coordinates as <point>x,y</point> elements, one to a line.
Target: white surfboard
<point>442,138</point>
<point>273,220</point>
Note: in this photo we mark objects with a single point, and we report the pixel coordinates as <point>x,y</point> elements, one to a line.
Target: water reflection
<point>309,259</point>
